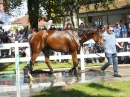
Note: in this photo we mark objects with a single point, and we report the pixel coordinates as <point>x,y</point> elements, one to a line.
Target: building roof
<point>119,5</point>
<point>24,21</point>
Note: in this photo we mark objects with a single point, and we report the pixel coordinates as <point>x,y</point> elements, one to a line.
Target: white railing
<point>59,57</point>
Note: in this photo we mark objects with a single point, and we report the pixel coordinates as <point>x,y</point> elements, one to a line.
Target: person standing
<point>67,27</point>
<point>118,34</point>
<point>124,34</point>
<point>117,30</point>
<point>81,25</point>
<point>68,21</point>
<point>31,32</point>
<point>110,51</point>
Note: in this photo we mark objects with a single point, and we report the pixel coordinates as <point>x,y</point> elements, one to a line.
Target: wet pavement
<point>43,81</point>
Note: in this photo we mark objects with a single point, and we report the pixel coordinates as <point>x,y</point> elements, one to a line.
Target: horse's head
<point>98,37</point>
<point>89,33</point>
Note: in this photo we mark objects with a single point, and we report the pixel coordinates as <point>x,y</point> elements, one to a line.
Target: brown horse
<point>62,41</point>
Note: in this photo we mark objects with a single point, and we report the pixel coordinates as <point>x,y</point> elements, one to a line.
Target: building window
<point>128,19</point>
<point>97,21</point>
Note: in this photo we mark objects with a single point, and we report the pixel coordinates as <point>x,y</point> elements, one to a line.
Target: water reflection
<point>45,80</point>
<point>67,77</point>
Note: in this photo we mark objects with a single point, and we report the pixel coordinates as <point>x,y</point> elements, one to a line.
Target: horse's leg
<point>46,54</point>
<point>33,58</point>
<point>75,62</point>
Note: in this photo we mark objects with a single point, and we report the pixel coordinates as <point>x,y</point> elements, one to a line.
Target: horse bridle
<point>91,42</point>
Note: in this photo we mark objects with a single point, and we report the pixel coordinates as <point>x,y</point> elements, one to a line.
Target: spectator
<point>10,35</point>
<point>17,35</point>
<point>44,28</point>
<point>1,31</point>
<point>124,34</point>
<point>4,37</point>
<point>110,51</point>
<point>105,27</point>
<point>0,41</point>
<point>67,27</point>
<point>92,49</point>
<point>31,32</point>
<point>68,21</point>
<point>127,27</point>
<point>128,50</point>
<point>117,30</point>
<point>86,49</point>
<point>81,25</point>
<point>52,27</point>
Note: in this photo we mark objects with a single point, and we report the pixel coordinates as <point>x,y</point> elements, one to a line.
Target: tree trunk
<point>71,16</point>
<point>33,13</point>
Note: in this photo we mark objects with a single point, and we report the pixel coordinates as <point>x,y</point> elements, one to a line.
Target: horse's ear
<point>98,29</point>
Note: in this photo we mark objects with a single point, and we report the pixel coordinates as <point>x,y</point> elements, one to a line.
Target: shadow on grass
<point>10,66</point>
<point>4,66</point>
<point>100,86</point>
<point>78,90</point>
<point>60,92</point>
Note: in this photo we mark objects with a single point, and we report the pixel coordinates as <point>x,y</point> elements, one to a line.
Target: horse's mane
<point>86,30</point>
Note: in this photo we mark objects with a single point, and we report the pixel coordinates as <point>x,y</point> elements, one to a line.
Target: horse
<point>62,41</point>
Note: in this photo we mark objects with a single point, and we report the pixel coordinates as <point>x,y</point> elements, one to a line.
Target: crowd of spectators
<point>11,36</point>
<point>121,30</point>
<point>23,35</point>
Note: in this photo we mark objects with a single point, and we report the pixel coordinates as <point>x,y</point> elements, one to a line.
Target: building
<point>104,16</point>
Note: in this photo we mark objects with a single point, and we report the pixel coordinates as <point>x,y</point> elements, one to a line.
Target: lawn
<point>104,89</point>
<point>42,65</point>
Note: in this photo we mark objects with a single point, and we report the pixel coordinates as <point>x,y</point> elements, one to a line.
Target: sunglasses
<point>112,30</point>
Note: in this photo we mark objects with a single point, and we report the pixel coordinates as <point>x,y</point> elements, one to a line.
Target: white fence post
<point>59,54</point>
<point>17,69</point>
<point>82,58</point>
<point>83,77</point>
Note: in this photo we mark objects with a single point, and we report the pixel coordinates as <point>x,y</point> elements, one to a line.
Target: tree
<point>33,12</point>
<point>71,7</point>
<point>56,8</point>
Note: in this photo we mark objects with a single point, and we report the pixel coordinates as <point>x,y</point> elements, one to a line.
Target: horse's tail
<point>30,44</point>
<point>31,52</point>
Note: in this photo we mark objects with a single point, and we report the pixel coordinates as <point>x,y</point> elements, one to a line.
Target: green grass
<point>105,89</point>
<point>42,65</point>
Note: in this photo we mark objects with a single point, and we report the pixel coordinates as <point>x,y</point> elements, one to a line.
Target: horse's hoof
<point>30,84</point>
<point>31,78</point>
<point>55,77</point>
<point>78,78</point>
<point>70,70</point>
<point>51,73</point>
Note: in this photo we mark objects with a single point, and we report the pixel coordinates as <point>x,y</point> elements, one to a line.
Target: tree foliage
<point>55,9</point>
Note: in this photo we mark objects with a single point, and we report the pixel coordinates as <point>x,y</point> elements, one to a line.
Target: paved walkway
<point>124,71</point>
